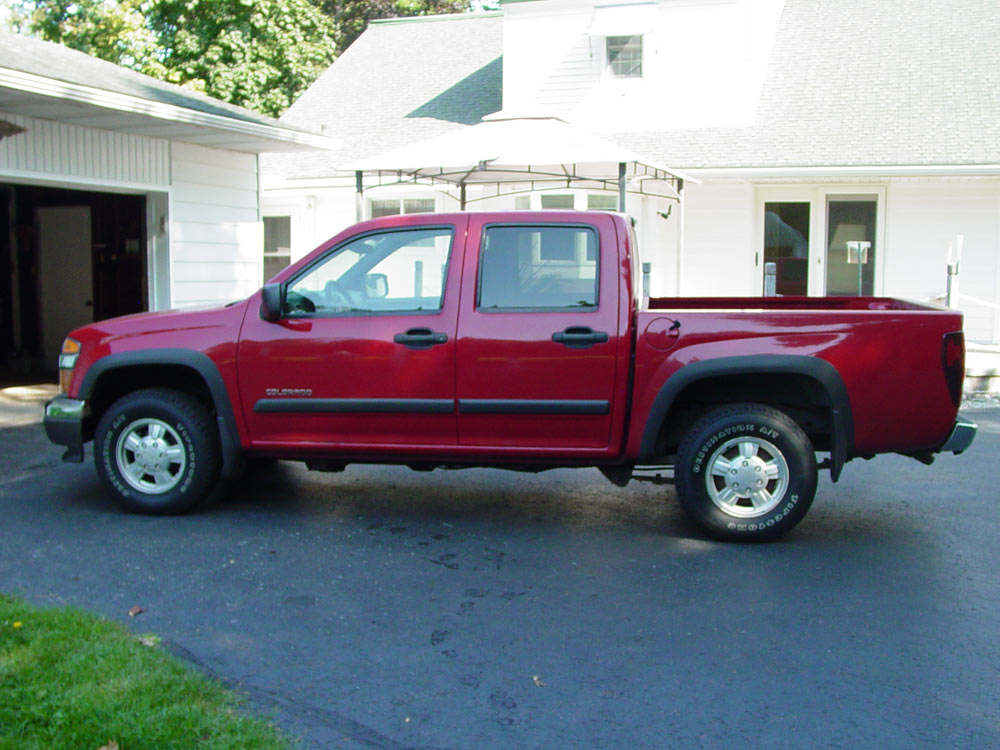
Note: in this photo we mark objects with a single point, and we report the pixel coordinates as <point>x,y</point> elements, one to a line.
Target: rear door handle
<point>420,338</point>
<point>579,337</point>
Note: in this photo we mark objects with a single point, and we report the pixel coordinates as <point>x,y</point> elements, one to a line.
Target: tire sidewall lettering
<point>192,454</point>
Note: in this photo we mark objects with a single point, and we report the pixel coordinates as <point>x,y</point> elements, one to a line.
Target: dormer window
<point>623,25</point>
<point>625,56</point>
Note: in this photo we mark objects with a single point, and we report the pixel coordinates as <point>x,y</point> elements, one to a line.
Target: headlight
<point>67,361</point>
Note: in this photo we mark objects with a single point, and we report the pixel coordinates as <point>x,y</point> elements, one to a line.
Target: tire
<point>760,497</point>
<point>157,451</point>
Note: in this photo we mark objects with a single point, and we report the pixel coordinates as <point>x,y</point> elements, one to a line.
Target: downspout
<point>621,186</point>
<point>359,204</point>
<point>680,235</point>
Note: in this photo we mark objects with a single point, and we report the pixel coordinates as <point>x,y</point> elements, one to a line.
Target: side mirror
<point>270,302</point>
<point>376,286</point>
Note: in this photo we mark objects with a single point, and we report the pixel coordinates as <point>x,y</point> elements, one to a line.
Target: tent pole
<point>461,198</point>
<point>621,186</point>
<point>359,186</point>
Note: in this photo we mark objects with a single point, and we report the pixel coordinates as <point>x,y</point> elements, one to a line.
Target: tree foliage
<point>256,53</point>
<point>259,54</point>
<point>352,16</point>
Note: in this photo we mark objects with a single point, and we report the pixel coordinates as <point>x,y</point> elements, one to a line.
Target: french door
<point>820,241</point>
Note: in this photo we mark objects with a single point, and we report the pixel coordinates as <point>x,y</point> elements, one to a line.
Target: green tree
<point>352,16</point>
<point>256,53</point>
<point>111,31</point>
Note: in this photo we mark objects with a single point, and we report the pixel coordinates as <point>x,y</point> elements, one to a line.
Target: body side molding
<point>355,405</point>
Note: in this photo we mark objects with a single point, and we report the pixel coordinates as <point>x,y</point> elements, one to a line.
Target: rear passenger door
<point>538,337</point>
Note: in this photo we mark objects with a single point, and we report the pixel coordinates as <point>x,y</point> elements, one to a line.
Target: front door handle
<point>579,337</point>
<point>420,338</point>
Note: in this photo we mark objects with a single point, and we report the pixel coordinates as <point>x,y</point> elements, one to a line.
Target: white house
<point>807,125</point>
<point>120,193</point>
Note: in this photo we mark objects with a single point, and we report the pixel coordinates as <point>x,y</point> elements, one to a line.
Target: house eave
<point>30,91</point>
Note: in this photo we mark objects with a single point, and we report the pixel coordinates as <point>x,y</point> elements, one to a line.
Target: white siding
<point>216,248</point>
<point>53,151</point>
<point>549,61</point>
<point>719,240</point>
<point>704,63</point>
<point>922,218</point>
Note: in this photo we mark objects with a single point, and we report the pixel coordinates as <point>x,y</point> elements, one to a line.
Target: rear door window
<point>546,267</point>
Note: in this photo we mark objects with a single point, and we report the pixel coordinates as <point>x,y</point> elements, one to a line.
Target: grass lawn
<point>69,679</point>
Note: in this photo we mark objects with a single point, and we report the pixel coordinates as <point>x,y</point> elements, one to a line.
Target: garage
<point>74,257</point>
<point>119,193</point>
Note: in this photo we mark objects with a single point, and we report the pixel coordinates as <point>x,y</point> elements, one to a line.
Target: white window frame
<point>608,63</point>
<point>294,213</point>
<point>400,200</point>
<point>580,200</point>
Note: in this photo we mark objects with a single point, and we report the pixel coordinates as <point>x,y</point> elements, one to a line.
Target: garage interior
<point>72,257</point>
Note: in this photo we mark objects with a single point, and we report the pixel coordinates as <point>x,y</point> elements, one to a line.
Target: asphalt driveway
<point>482,609</point>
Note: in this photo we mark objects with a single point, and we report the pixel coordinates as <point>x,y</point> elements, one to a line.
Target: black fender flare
<point>778,364</point>
<point>229,436</point>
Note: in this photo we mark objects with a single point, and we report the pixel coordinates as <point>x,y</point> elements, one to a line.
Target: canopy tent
<point>506,155</point>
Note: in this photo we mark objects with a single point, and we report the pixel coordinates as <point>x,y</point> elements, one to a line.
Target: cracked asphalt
<point>382,608</point>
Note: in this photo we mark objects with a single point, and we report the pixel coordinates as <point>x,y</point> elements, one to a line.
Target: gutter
<point>924,170</point>
<point>41,85</point>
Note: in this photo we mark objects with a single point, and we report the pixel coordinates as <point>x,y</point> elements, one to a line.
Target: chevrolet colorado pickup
<point>519,340</point>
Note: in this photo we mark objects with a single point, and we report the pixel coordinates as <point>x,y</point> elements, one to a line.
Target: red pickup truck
<point>519,340</point>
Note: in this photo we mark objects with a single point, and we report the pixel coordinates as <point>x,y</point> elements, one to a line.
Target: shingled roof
<point>400,82</point>
<point>53,82</point>
<point>72,66</point>
<point>864,83</point>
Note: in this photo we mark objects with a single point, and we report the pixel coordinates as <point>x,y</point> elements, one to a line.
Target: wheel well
<point>115,383</point>
<point>801,397</point>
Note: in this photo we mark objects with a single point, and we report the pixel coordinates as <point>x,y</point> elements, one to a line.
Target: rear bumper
<point>64,425</point>
<point>961,437</point>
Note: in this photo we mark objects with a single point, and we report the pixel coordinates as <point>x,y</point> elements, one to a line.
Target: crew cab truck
<point>519,340</point>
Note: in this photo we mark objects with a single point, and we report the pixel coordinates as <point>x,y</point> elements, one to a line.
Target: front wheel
<point>746,472</point>
<point>157,450</point>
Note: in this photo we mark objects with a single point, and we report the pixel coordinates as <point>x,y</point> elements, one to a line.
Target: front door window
<point>399,271</point>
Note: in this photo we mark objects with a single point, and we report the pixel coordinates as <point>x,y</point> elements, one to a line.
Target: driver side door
<point>363,354</point>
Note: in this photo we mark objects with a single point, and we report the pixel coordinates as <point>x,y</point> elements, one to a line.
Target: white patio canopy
<point>507,155</point>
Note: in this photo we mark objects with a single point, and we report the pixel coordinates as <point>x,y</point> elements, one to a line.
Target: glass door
<point>786,245</point>
<point>851,254</point>
<point>819,240</point>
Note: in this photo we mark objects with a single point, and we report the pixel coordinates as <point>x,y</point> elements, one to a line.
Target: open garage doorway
<point>73,257</point>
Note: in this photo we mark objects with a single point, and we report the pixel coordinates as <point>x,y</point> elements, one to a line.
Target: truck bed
<point>786,303</point>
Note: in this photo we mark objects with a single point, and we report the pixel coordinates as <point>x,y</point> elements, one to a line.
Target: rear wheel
<point>746,472</point>
<point>157,450</point>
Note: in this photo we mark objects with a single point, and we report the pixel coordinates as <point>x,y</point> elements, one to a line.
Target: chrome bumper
<point>961,436</point>
<point>64,425</point>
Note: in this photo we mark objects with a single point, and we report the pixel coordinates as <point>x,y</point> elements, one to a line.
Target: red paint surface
<point>887,351</point>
